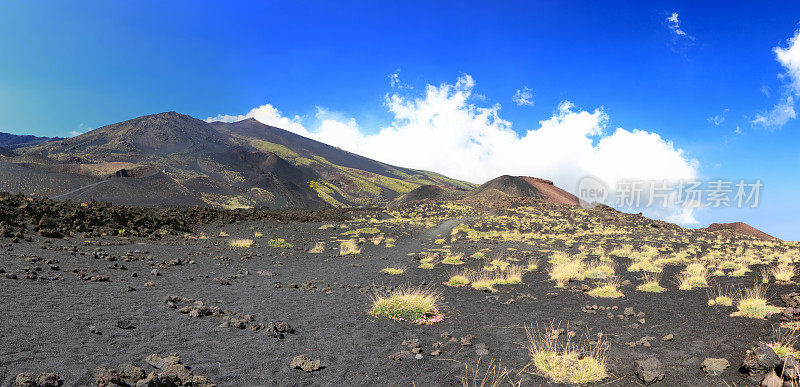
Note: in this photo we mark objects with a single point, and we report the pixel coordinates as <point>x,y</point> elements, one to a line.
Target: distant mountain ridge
<point>14,141</point>
<point>240,164</point>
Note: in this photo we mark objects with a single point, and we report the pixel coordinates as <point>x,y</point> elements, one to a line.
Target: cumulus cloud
<point>443,129</point>
<point>789,58</point>
<point>784,110</point>
<point>269,115</point>
<point>523,97</point>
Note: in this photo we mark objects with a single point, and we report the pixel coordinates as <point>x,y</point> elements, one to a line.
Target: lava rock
<point>649,370</point>
<point>760,360</point>
<point>302,362</point>
<point>714,366</point>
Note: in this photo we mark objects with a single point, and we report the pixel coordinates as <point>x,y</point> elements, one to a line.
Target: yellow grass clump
<point>556,356</point>
<point>783,272</point>
<point>416,305</point>
<point>564,269</point>
<point>651,283</point>
<point>349,246</point>
<point>241,242</point>
<point>392,271</point>
<point>694,276</point>
<point>608,288</point>
<point>318,248</point>
<point>753,304</point>
<point>453,259</point>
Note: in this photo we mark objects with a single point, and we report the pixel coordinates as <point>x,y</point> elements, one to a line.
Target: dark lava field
<point>154,297</point>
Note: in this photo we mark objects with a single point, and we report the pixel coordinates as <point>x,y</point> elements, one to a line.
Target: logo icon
<point>591,192</point>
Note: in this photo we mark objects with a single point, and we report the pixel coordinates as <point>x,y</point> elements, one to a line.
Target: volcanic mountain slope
<point>739,228</point>
<point>344,177</point>
<point>242,164</point>
<point>522,186</point>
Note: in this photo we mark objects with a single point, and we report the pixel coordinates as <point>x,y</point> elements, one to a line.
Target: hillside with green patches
<point>244,164</point>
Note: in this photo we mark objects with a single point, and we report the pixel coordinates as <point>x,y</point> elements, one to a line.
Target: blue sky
<point>75,66</point>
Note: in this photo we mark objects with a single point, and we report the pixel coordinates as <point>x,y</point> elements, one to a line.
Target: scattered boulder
<point>302,362</point>
<point>24,380</point>
<point>131,372</point>
<point>714,366</point>
<point>43,380</point>
<point>107,377</point>
<point>649,370</point>
<point>48,380</point>
<point>760,360</point>
<point>162,363</point>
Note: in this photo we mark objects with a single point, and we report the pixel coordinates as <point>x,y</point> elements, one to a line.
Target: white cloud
<point>395,83</point>
<point>675,25</point>
<point>443,130</point>
<point>266,114</point>
<point>781,113</point>
<point>789,58</point>
<point>718,119</point>
<point>680,39</point>
<point>82,128</point>
<point>523,97</point>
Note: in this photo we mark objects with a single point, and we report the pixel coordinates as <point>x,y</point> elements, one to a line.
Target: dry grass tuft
<point>459,279</point>
<point>240,242</point>
<point>453,259</point>
<point>783,272</point>
<point>651,283</point>
<point>562,360</point>
<point>494,376</point>
<point>608,288</point>
<point>416,305</point>
<point>318,248</point>
<point>392,271</point>
<point>753,303</point>
<point>564,269</point>
<point>348,247</point>
<point>694,276</point>
<point>720,297</point>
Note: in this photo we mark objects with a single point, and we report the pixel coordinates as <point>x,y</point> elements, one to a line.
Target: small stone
<point>649,370</point>
<point>628,312</point>
<point>482,351</point>
<point>467,340</point>
<point>123,324</point>
<point>418,356</point>
<point>304,363</point>
<point>93,329</point>
<point>436,352</point>
<point>668,337</point>
<point>714,366</point>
